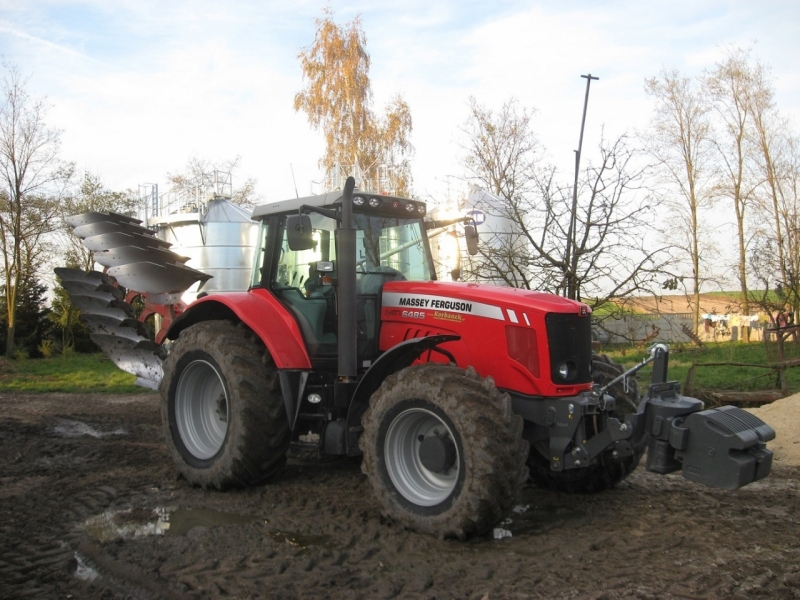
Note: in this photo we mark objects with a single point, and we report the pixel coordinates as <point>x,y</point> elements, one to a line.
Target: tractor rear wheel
<point>222,412</point>
<point>443,450</point>
<point>606,471</point>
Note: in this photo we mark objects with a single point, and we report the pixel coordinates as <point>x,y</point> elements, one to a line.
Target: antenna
<point>291,168</point>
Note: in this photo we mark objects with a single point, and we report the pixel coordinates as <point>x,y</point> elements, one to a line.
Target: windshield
<point>391,243</point>
<point>382,245</point>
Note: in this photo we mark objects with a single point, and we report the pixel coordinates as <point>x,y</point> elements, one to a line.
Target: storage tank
<point>219,238</point>
<point>497,231</point>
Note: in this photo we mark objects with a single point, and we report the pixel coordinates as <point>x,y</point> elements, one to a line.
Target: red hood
<point>506,297</point>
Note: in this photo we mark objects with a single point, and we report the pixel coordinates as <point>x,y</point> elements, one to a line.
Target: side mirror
<point>471,233</point>
<point>299,233</point>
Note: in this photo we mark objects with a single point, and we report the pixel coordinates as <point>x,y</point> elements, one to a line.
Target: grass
<point>726,377</point>
<point>83,373</point>
<point>79,373</point>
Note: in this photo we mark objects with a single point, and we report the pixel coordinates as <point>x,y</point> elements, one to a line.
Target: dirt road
<point>86,493</point>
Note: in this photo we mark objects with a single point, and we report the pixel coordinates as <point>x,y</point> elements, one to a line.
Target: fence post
<point>689,380</point>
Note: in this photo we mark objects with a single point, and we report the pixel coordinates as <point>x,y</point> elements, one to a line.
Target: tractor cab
<point>302,268</point>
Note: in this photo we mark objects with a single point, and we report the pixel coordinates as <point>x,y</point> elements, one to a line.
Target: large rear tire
<point>443,450</point>
<point>607,470</point>
<point>222,412</point>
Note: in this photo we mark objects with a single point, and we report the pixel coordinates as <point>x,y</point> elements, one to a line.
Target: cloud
<point>139,86</point>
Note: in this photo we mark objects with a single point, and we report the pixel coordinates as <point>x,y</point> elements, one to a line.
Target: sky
<point>141,86</point>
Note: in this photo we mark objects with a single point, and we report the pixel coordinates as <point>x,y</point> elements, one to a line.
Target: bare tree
<point>680,139</point>
<point>529,212</point>
<point>33,179</point>
<point>337,98</point>
<point>201,175</point>
<point>776,169</point>
<point>501,149</point>
<point>730,86</point>
<point>789,208</point>
<point>501,154</point>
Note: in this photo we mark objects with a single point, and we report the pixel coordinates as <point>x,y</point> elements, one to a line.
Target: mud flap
<point>722,447</point>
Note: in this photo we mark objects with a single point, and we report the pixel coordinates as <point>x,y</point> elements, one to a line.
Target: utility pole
<point>571,255</point>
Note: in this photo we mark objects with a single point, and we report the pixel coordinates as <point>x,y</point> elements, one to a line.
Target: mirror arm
<point>325,212</point>
<point>431,224</point>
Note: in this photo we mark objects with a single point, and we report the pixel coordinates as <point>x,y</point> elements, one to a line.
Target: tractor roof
<point>370,202</point>
<point>273,208</point>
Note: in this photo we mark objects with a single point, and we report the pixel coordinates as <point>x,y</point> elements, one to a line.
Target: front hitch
<point>719,447</point>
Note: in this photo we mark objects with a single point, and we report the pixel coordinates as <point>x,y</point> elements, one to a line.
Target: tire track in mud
<point>316,532</point>
<point>335,544</point>
<point>50,485</point>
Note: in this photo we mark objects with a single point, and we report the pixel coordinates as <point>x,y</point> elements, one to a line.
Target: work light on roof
<point>374,202</point>
<point>410,207</point>
<point>359,200</point>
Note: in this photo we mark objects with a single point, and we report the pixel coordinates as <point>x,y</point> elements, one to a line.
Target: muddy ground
<point>85,487</point>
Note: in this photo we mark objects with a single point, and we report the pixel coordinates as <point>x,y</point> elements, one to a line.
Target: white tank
<point>495,227</point>
<point>219,238</point>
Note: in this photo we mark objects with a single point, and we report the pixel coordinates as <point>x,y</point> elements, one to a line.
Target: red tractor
<point>454,393</point>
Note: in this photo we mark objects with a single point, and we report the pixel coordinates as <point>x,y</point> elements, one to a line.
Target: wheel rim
<point>409,476</point>
<point>201,409</point>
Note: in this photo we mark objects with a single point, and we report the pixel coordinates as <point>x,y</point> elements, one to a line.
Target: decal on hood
<point>442,303</point>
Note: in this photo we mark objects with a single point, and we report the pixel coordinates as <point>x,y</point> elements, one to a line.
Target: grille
<point>570,339</point>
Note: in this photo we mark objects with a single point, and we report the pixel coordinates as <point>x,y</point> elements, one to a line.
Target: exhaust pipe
<point>346,291</point>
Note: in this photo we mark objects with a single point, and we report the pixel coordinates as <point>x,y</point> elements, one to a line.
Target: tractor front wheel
<point>443,450</point>
<point>222,412</point>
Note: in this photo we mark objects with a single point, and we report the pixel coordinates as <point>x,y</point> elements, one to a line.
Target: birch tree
<point>730,86</point>
<point>337,99</point>
<point>680,138</point>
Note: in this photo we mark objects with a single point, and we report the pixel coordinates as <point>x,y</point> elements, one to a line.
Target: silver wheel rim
<point>201,409</point>
<point>401,449</point>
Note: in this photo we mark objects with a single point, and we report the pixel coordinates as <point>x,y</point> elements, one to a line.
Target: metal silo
<point>216,235</point>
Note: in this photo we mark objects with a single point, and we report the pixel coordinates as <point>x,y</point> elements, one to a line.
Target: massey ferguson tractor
<point>345,343</point>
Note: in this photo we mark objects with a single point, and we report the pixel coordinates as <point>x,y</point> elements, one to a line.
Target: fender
<point>262,313</point>
<point>391,361</point>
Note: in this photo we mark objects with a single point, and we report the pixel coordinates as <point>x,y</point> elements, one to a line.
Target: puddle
<point>126,524</point>
<point>68,428</point>
<point>171,521</point>
<point>300,540</point>
<point>181,521</point>
<point>535,518</point>
<point>83,571</point>
<point>524,521</point>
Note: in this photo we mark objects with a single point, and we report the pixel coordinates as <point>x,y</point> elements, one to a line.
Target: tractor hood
<point>530,342</point>
<point>477,299</point>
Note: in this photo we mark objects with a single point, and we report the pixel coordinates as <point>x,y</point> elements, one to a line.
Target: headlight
<point>567,370</point>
